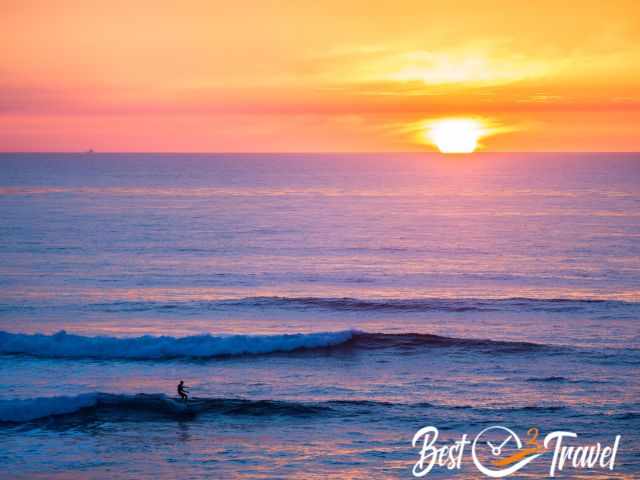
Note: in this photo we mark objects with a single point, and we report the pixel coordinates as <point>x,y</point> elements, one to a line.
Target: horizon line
<point>337,152</point>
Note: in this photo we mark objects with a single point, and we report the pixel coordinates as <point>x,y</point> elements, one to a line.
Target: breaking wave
<point>65,345</point>
<point>141,406</point>
<point>26,410</point>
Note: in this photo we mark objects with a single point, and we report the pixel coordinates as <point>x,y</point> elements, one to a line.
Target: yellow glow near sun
<point>455,135</point>
<point>465,66</point>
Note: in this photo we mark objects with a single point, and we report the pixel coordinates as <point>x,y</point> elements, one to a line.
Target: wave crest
<point>27,410</point>
<point>64,345</point>
<point>142,406</point>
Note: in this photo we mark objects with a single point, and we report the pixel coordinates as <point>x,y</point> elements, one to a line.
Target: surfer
<point>182,391</point>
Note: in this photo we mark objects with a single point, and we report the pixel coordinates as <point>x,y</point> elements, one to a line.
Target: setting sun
<point>455,135</point>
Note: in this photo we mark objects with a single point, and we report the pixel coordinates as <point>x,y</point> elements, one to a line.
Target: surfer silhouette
<point>182,391</point>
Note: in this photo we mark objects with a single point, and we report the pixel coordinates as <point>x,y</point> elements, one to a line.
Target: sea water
<point>321,310</point>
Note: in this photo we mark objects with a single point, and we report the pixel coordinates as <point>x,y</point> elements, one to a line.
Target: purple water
<point>321,308</point>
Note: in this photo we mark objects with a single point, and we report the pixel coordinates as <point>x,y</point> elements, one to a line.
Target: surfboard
<point>180,406</point>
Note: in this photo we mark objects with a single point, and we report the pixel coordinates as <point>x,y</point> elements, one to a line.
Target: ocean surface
<point>320,308</point>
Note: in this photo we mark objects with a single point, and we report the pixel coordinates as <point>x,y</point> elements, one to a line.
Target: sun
<point>455,135</point>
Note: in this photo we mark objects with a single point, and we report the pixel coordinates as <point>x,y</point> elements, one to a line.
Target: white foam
<point>64,345</point>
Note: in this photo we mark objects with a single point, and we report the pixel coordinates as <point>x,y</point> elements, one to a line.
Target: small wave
<point>547,379</point>
<point>396,305</point>
<point>64,345</point>
<point>17,411</point>
<point>144,406</point>
<point>141,404</point>
<point>538,408</point>
<point>27,410</point>
<point>627,416</point>
<point>556,379</point>
<point>366,340</point>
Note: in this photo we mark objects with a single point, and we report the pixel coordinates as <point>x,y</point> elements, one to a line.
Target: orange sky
<point>322,75</point>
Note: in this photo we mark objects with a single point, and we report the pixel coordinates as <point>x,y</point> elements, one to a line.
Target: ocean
<point>320,308</point>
